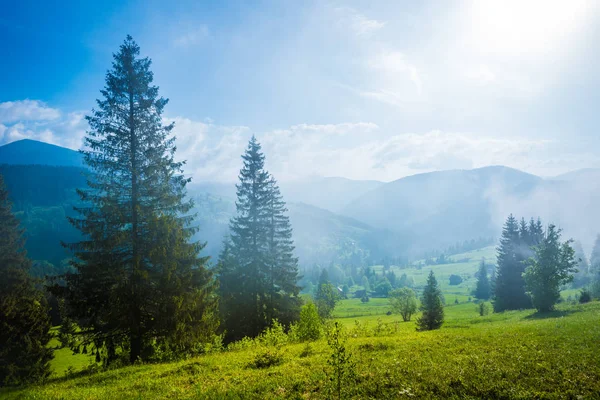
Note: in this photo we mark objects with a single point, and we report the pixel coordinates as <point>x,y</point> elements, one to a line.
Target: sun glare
<point>513,27</point>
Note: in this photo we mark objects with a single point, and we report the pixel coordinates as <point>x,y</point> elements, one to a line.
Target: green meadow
<point>510,355</point>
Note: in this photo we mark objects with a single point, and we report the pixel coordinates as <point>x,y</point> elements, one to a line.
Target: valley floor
<point>511,355</point>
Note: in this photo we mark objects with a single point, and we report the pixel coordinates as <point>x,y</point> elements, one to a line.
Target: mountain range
<point>338,219</point>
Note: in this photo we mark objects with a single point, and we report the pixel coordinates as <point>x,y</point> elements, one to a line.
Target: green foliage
<point>514,249</point>
<point>483,290</point>
<point>267,358</point>
<point>483,308</point>
<point>258,271</point>
<point>552,266</point>
<point>24,321</point>
<point>583,276</point>
<point>585,296</point>
<point>325,300</point>
<point>341,374</point>
<point>139,282</point>
<point>273,336</point>
<point>365,283</point>
<point>516,354</point>
<point>383,288</point>
<point>455,279</point>
<point>431,305</point>
<point>595,259</point>
<point>404,301</point>
<point>309,325</point>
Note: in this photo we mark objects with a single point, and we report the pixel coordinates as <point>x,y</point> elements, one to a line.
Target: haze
<point>376,90</point>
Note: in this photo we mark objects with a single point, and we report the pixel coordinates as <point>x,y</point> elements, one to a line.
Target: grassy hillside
<point>509,355</point>
<point>464,264</point>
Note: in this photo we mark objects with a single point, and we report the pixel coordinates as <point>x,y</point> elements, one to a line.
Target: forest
<point>120,278</point>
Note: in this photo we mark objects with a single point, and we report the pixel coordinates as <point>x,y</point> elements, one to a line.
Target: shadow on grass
<point>550,314</point>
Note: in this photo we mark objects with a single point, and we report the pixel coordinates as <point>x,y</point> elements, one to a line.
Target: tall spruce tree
<point>483,288</point>
<point>139,281</point>
<point>431,305</point>
<point>259,276</point>
<point>552,266</point>
<point>509,291</point>
<point>24,321</point>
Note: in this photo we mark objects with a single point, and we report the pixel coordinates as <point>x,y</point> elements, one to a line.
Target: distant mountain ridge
<point>33,152</point>
<point>416,213</point>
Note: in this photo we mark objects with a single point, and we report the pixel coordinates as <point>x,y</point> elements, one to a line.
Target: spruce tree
<point>24,321</point>
<point>509,293</point>
<point>551,267</point>
<point>595,260</point>
<point>259,279</point>
<point>582,276</point>
<point>483,288</point>
<point>139,281</point>
<point>284,302</point>
<point>431,305</point>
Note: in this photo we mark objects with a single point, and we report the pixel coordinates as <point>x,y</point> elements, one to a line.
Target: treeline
<point>533,265</point>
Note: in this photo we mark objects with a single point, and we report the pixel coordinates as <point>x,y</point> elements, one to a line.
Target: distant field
<point>511,355</point>
<point>466,269</point>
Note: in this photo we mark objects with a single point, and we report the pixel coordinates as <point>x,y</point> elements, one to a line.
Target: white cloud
<point>192,37</point>
<point>356,150</point>
<point>32,119</point>
<point>394,65</point>
<point>27,110</point>
<point>357,22</point>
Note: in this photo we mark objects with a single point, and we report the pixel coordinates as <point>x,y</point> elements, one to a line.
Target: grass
<point>64,359</point>
<point>518,354</point>
<point>466,268</point>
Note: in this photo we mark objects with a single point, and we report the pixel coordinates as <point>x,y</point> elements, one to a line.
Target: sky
<point>363,90</point>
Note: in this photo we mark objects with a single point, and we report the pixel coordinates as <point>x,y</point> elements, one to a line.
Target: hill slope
<point>511,355</point>
<point>26,151</point>
<point>442,207</point>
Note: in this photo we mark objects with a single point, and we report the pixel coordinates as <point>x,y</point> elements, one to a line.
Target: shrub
<point>483,308</point>
<point>585,296</point>
<point>307,351</point>
<point>455,279</point>
<point>267,358</point>
<point>364,299</point>
<point>309,326</point>
<point>274,335</point>
<point>341,375</point>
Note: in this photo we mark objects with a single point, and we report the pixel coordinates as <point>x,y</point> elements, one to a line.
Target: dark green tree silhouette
<point>259,275</point>
<point>509,284</point>
<point>553,266</point>
<point>24,321</point>
<point>431,305</point>
<point>483,289</point>
<point>139,281</point>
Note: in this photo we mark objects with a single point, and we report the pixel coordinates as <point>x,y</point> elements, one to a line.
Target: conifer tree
<point>24,321</point>
<point>509,293</point>
<point>431,305</point>
<point>595,260</point>
<point>139,281</point>
<point>582,276</point>
<point>483,288</point>
<point>284,302</point>
<point>259,281</point>
<point>551,267</point>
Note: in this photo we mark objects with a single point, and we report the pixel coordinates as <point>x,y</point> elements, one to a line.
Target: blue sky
<point>365,90</point>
